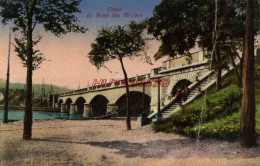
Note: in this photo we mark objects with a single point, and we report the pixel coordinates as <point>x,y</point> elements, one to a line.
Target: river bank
<point>22,108</point>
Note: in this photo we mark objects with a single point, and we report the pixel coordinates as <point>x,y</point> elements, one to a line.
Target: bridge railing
<point>182,60</point>
<point>156,71</point>
<point>114,84</point>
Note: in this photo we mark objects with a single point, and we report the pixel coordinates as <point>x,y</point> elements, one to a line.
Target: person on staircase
<point>178,97</point>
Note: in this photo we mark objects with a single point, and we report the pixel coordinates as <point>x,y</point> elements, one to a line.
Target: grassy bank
<point>221,113</point>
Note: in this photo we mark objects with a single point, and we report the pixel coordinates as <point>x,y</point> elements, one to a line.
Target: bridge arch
<point>180,85</point>
<point>68,103</point>
<point>99,105</point>
<point>60,103</point>
<point>80,105</point>
<point>135,101</point>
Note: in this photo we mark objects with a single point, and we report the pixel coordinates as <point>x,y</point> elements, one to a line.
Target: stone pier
<point>64,108</point>
<point>73,109</point>
<point>87,111</point>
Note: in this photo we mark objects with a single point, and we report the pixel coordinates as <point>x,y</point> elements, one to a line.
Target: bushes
<point>226,128</point>
<point>218,105</point>
<point>221,115</point>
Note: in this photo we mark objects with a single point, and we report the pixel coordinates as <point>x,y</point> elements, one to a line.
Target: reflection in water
<point>38,115</point>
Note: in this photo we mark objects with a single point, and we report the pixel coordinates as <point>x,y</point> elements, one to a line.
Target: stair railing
<point>191,87</point>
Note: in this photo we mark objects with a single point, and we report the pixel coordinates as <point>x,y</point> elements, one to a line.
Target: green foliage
<point>219,105</point>
<point>57,17</point>
<point>257,75</point>
<point>21,47</point>
<point>180,23</point>
<point>37,88</point>
<point>176,24</point>
<point>16,97</point>
<point>116,43</point>
<point>221,115</point>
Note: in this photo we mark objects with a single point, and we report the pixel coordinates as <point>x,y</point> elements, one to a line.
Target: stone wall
<point>184,60</point>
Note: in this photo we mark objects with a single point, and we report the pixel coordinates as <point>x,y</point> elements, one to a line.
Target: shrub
<point>218,105</point>
<point>221,115</point>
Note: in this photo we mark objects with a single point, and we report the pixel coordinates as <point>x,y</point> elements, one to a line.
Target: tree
<point>117,43</point>
<point>175,23</point>
<point>233,32</point>
<point>248,135</point>
<point>179,24</point>
<point>56,16</point>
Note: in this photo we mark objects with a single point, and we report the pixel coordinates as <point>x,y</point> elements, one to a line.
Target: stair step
<point>165,114</point>
<point>168,111</point>
<point>192,94</point>
<point>171,109</point>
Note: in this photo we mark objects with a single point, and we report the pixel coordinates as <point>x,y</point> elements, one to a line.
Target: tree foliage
<point>176,24</point>
<point>117,43</point>
<point>56,16</point>
<point>20,48</point>
<point>179,24</point>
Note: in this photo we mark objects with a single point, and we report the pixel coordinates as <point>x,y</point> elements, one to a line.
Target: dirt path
<point>106,142</point>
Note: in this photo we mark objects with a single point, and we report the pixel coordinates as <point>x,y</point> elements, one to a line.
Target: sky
<point>67,63</point>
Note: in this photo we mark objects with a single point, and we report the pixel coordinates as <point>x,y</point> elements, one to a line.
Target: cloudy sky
<point>68,64</point>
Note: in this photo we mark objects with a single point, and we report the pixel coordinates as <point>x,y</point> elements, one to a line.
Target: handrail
<point>104,87</point>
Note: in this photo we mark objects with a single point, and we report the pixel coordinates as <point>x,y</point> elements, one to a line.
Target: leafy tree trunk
<point>128,118</point>
<point>248,135</point>
<point>218,72</point>
<point>27,132</point>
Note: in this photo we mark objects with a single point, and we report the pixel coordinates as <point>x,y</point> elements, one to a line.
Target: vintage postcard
<point>130,82</point>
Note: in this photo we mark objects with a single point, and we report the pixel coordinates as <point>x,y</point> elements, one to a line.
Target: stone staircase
<point>196,89</point>
<point>194,93</point>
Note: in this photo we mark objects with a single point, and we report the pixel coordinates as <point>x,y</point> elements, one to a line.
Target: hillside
<point>37,88</point>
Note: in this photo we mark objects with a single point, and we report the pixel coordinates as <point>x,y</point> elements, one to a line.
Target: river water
<point>38,115</point>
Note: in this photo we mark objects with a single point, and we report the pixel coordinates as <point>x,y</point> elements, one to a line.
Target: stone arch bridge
<point>145,97</point>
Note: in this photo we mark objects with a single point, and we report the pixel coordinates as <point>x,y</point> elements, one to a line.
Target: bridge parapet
<point>116,84</point>
<point>156,71</point>
<point>181,60</point>
<point>185,68</point>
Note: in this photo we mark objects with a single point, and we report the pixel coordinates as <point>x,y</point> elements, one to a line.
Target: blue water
<point>38,115</point>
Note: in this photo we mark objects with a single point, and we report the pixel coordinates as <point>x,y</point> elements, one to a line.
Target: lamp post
<point>7,83</point>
